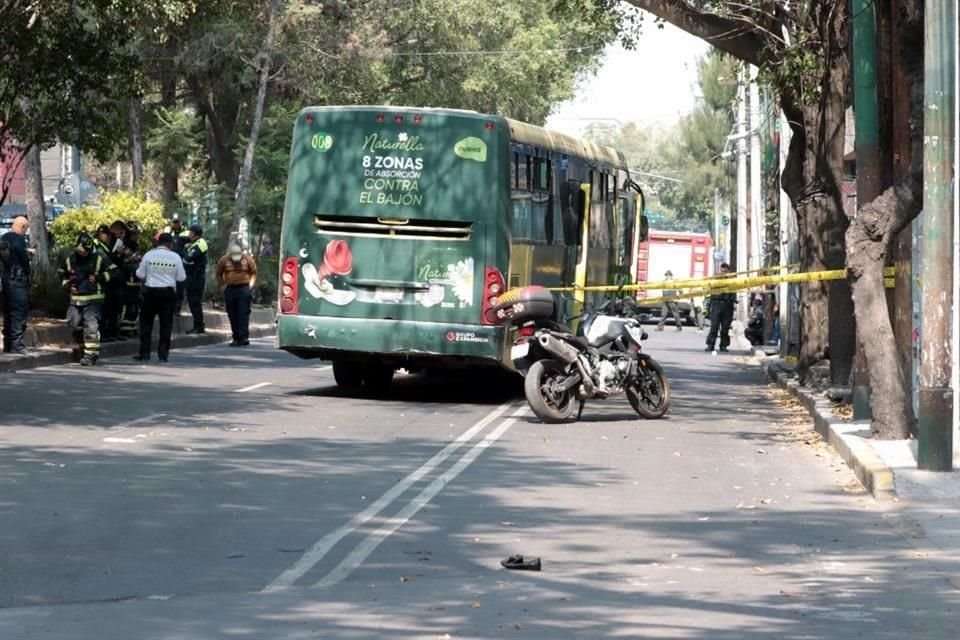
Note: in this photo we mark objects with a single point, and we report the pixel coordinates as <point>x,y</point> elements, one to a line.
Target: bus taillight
<point>288,286</point>
<point>493,285</point>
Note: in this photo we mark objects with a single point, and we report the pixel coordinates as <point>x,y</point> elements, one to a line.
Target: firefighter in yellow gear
<point>84,273</point>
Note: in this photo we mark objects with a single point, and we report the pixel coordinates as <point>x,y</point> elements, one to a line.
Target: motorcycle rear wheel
<point>539,386</point>
<point>649,391</point>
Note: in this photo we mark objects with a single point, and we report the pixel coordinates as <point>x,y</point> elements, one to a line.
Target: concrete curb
<point>848,439</point>
<point>58,349</point>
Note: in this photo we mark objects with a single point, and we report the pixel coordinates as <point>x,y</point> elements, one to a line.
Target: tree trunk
<point>135,117</point>
<point>36,213</point>
<point>812,179</point>
<point>243,180</point>
<point>869,241</point>
<point>170,172</point>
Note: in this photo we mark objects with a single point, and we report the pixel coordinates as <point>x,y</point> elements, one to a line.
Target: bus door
<point>583,246</point>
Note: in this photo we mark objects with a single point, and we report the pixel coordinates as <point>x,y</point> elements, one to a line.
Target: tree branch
<point>744,42</point>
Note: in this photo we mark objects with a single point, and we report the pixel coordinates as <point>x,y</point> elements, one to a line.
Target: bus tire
<point>378,378</point>
<point>348,374</point>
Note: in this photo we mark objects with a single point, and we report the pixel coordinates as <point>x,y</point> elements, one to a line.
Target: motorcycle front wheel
<point>541,386</point>
<point>649,391</point>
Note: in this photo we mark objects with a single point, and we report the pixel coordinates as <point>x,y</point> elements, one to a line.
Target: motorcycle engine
<point>611,373</point>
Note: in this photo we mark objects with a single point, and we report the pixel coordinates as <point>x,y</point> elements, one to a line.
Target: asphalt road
<point>238,493</point>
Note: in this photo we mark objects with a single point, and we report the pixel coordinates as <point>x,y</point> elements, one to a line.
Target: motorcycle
<point>562,369</point>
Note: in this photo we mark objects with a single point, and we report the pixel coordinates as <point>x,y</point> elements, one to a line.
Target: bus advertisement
<point>402,226</point>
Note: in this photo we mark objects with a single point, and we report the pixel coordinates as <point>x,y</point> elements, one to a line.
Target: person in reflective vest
<point>181,237</point>
<point>131,290</point>
<point>195,264</point>
<point>84,273</point>
<point>113,292</point>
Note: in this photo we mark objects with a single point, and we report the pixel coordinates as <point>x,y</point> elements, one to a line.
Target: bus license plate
<point>388,295</point>
<point>519,351</point>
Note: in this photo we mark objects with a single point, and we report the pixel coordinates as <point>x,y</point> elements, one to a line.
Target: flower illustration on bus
<point>337,261</point>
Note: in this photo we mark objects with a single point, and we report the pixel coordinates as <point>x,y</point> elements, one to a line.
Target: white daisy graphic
<point>461,278</point>
<point>402,137</point>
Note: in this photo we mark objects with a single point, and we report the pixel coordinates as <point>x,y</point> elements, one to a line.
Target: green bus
<point>402,226</point>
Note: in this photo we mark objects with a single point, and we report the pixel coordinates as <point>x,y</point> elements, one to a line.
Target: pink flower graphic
<point>337,260</point>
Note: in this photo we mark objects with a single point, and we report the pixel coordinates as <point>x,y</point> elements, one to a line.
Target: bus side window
<point>570,207</point>
<point>580,209</point>
<point>523,172</point>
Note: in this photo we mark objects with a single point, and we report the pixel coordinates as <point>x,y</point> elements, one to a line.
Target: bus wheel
<point>348,375</point>
<point>378,378</point>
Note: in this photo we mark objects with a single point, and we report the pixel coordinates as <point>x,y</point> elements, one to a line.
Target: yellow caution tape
<point>696,287</point>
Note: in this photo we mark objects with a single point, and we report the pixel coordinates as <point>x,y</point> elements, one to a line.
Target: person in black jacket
<point>195,264</point>
<point>15,283</point>
<point>721,316</point>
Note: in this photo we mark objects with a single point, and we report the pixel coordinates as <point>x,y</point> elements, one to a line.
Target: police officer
<point>84,273</point>
<point>15,282</point>
<point>180,237</point>
<point>160,270</point>
<point>195,264</point>
<point>130,299</point>
<point>721,315</point>
<point>669,306</point>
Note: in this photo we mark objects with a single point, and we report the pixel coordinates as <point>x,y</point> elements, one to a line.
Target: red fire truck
<point>685,255</point>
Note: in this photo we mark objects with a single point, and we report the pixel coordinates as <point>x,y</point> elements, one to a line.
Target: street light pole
<point>935,429</point>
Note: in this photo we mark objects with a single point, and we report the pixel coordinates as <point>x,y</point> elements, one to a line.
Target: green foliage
<point>681,165</point>
<point>64,63</point>
<point>119,205</point>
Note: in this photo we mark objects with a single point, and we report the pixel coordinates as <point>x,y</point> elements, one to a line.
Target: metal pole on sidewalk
<point>867,143</point>
<point>935,448</point>
<point>757,205</point>
<point>743,236</point>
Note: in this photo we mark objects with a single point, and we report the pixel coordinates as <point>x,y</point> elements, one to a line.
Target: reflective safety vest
<point>195,258</point>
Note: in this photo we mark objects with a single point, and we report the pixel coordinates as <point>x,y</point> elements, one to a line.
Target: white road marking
<point>120,440</point>
<point>365,548</point>
<point>326,368</point>
<point>316,553</point>
<point>259,385</point>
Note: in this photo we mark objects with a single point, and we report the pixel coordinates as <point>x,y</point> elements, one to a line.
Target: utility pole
<point>935,447</point>
<point>869,180</point>
<point>742,229</point>
<point>757,205</point>
<point>788,243</point>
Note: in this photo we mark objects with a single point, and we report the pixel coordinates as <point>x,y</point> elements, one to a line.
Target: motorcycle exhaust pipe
<point>568,354</point>
<point>558,348</point>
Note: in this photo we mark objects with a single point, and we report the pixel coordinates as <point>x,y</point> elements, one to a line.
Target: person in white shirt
<point>160,270</point>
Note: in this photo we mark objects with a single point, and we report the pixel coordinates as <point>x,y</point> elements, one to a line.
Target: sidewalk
<point>52,344</point>
<point>930,500</point>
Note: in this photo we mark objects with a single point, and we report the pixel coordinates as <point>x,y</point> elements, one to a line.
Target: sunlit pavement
<point>237,493</point>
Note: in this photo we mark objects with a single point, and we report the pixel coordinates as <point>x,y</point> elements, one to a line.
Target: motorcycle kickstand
<point>580,412</point>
